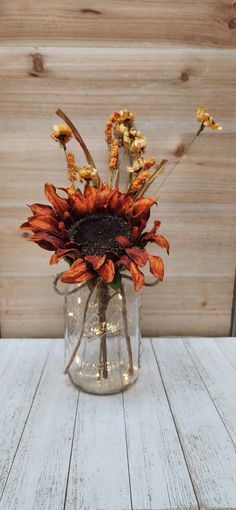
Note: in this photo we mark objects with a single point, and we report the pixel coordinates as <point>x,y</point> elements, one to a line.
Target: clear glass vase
<point>102,336</point>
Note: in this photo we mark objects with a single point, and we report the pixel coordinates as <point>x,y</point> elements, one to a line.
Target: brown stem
<point>145,186</point>
<point>181,157</point>
<point>130,176</point>
<point>103,298</point>
<point>81,333</point>
<point>127,337</point>
<point>77,136</point>
<point>100,362</point>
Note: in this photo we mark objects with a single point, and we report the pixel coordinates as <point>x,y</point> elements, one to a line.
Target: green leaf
<point>116,282</point>
<point>68,260</point>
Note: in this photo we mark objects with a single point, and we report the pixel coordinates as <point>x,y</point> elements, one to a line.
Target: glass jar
<point>102,336</point>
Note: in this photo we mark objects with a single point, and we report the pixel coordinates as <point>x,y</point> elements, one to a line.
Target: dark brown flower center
<point>96,234</point>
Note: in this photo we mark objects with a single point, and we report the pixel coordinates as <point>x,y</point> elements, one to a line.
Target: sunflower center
<point>96,234</point>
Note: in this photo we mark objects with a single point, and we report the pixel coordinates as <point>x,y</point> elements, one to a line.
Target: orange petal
<point>156,266</point>
<point>47,241</point>
<point>138,255</point>
<point>45,224</point>
<point>102,198</point>
<point>137,275</point>
<point>43,209</point>
<point>96,260</point>
<point>90,194</point>
<point>126,205</point>
<point>123,241</point>
<point>114,201</point>
<point>162,241</point>
<point>158,239</point>
<point>77,273</point>
<point>78,203</point>
<point>143,206</point>
<point>156,225</point>
<point>60,205</point>
<point>107,271</point>
<point>135,233</point>
<point>26,226</point>
<point>60,253</point>
<point>141,212</point>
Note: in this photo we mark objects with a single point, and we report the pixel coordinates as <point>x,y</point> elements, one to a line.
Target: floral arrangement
<point>99,230</point>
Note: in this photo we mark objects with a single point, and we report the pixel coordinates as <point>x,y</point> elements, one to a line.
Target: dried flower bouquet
<point>99,230</point>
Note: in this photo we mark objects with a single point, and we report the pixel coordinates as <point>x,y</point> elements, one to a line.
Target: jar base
<point>116,381</point>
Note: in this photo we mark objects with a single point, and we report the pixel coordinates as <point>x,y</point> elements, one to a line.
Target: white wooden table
<point>166,443</point>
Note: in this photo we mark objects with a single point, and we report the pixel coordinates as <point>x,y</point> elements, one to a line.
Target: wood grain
<point>99,476</point>
<point>162,78</point>
<point>158,473</point>
<point>21,367</point>
<point>209,450</point>
<point>46,443</point>
<point>205,23</point>
<point>211,363</point>
<point>203,304</point>
<point>227,345</point>
<point>165,443</point>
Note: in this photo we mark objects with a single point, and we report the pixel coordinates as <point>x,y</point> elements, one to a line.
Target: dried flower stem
<point>81,333</point>
<point>110,178</point>
<point>145,187</point>
<point>127,337</point>
<point>103,299</point>
<point>78,137</point>
<point>181,157</point>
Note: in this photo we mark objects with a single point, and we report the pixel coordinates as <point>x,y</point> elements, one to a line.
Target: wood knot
<point>184,76</point>
<point>90,11</point>
<point>232,23</point>
<point>38,65</point>
<point>204,302</point>
<point>179,150</point>
<point>25,234</point>
<point>234,5</point>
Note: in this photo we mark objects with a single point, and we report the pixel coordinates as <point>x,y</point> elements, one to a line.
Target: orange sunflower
<point>99,232</point>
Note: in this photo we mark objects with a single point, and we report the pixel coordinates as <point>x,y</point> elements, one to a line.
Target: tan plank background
<point>160,59</point>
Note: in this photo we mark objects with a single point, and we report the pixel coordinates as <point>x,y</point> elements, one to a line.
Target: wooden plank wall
<point>160,59</point>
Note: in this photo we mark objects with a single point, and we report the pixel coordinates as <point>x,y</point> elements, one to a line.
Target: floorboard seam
<point>127,452</point>
<point>176,427</point>
<point>27,418</point>
<point>211,398</point>
<point>225,354</point>
<point>71,451</point>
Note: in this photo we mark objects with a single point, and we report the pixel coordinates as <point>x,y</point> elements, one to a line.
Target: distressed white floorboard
<point>219,377</point>
<point>21,365</point>
<point>39,473</point>
<point>99,477</point>
<point>209,450</point>
<point>7,351</point>
<point>158,472</point>
<point>44,444</point>
<point>228,347</point>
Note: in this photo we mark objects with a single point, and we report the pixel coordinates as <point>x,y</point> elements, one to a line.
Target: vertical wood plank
<point>21,366</point>
<point>209,450</point>
<point>99,478</point>
<point>218,375</point>
<point>158,473</point>
<point>228,347</point>
<point>39,473</point>
<point>7,350</point>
